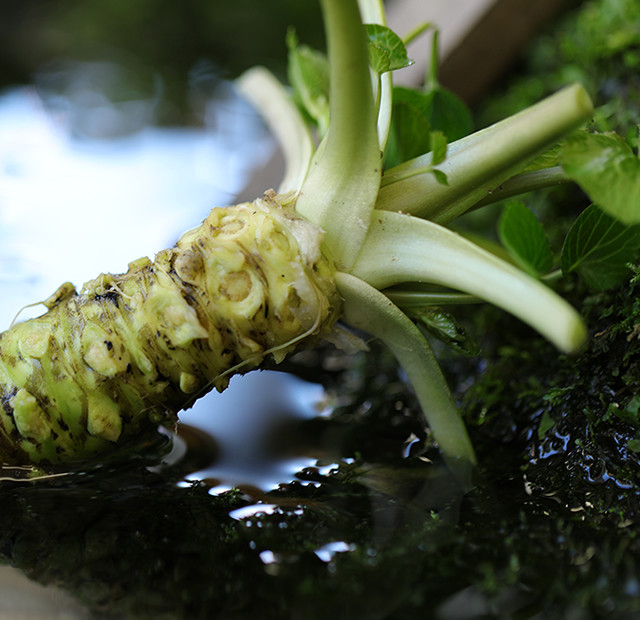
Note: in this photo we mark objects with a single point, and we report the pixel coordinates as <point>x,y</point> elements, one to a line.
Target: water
<point>248,434</point>
<point>73,206</point>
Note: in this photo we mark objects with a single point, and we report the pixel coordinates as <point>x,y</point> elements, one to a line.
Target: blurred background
<point>166,51</point>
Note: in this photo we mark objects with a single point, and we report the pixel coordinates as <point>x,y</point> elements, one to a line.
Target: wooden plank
<point>479,39</point>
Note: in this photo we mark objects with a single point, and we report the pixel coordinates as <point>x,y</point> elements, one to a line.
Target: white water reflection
<point>244,418</point>
<point>73,208</point>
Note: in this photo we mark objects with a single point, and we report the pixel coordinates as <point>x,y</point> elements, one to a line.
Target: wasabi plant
<point>371,184</point>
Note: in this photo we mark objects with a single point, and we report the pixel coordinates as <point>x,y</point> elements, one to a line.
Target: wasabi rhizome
<point>257,281</point>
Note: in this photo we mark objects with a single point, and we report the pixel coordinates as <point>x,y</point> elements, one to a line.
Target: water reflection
<point>72,208</point>
<point>243,419</point>
<point>109,97</point>
<point>130,544</point>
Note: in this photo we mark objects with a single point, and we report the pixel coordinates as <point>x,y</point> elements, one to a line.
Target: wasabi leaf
<point>440,176</point>
<point>409,135</point>
<point>445,110</point>
<point>308,73</point>
<point>599,248</point>
<point>546,424</point>
<point>607,170</point>
<point>448,113</point>
<point>634,445</point>
<point>438,147</point>
<point>548,159</point>
<point>630,413</point>
<point>387,52</point>
<point>522,234</point>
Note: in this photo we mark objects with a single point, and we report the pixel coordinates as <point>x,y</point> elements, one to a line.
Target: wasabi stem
<point>339,193</point>
<point>372,12</point>
<point>370,310</point>
<point>523,183</point>
<point>479,163</point>
<point>267,94</point>
<point>401,248</point>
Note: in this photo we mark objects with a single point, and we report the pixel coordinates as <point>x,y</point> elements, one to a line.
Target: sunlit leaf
<point>387,52</point>
<point>599,248</point>
<point>522,234</point>
<point>607,170</point>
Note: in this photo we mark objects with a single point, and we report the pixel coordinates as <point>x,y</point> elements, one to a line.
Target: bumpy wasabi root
<point>247,286</point>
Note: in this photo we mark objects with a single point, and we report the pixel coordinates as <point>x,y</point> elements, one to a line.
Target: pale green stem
<point>409,298</point>
<point>479,163</point>
<point>401,248</point>
<point>262,89</point>
<point>372,12</point>
<point>341,188</point>
<point>431,79</point>
<point>385,103</point>
<point>523,183</point>
<point>416,32</point>
<point>368,309</point>
<point>552,276</point>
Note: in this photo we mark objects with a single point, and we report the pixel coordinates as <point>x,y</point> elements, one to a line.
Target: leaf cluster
<point>605,238</point>
<point>422,121</point>
<point>600,245</point>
